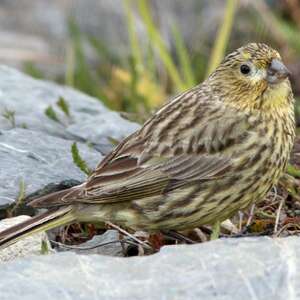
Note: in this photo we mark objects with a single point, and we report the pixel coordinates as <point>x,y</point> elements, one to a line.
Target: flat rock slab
<point>109,247</point>
<point>38,160</point>
<point>231,269</point>
<point>89,119</point>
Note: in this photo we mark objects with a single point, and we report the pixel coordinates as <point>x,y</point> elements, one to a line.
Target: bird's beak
<point>277,71</point>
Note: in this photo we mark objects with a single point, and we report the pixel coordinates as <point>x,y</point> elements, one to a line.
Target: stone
<point>26,247</point>
<point>27,99</point>
<point>229,269</point>
<point>98,129</point>
<point>113,249</point>
<point>35,148</point>
<point>37,160</point>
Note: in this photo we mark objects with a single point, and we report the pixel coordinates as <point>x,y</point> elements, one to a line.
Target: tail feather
<point>56,199</point>
<point>43,222</point>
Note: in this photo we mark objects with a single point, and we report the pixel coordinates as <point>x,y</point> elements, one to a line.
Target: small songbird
<point>209,152</point>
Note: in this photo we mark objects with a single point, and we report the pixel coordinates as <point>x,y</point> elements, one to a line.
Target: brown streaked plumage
<point>209,152</point>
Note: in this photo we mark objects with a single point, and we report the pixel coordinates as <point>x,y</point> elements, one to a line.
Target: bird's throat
<point>276,97</point>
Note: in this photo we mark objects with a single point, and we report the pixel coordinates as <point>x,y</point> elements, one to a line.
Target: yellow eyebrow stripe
<point>246,55</point>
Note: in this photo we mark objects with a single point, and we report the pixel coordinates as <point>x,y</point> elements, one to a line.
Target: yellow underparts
<point>276,97</point>
<point>273,102</point>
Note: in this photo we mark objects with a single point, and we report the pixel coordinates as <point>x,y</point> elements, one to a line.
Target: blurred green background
<point>134,54</point>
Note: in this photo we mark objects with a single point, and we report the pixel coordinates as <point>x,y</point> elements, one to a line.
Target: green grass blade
<point>184,58</point>
<point>64,106</point>
<point>103,52</point>
<point>291,33</point>
<point>150,62</point>
<point>84,77</point>
<point>20,200</point>
<point>160,46</point>
<point>293,171</point>
<point>133,39</point>
<point>78,161</point>
<point>222,36</point>
<point>51,114</point>
<point>31,69</point>
<point>70,65</point>
<point>215,231</point>
<point>136,59</point>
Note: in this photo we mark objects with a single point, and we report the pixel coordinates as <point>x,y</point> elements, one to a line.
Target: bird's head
<point>253,77</point>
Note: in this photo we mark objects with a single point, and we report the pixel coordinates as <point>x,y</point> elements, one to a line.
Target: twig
<point>128,234</point>
<point>263,214</point>
<point>278,215</point>
<point>123,241</point>
<point>241,216</point>
<point>277,234</point>
<point>201,235</point>
<point>250,215</point>
<point>275,194</point>
<point>141,250</point>
<point>178,236</point>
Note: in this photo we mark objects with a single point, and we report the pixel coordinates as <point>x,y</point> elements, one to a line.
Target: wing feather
<point>168,152</point>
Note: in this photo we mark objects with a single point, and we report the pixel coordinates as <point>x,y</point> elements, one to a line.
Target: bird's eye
<point>245,69</point>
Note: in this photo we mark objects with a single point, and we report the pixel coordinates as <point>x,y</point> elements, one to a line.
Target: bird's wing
<point>184,142</point>
<point>159,177</point>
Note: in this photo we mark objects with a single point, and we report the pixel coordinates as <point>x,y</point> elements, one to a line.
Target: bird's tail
<point>43,222</point>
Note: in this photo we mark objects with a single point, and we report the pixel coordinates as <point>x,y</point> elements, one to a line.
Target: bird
<point>207,153</point>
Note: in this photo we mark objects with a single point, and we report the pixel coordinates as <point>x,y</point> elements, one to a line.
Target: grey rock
<point>89,119</point>
<point>97,129</point>
<point>92,246</point>
<point>29,246</point>
<point>38,160</point>
<point>40,154</point>
<point>231,269</point>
